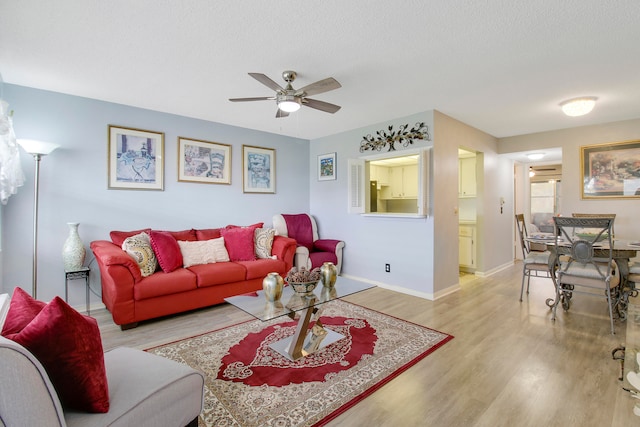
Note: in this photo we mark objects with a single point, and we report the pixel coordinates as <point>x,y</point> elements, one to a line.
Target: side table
<point>81,273</point>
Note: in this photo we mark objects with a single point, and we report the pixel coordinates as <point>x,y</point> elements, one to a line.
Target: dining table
<point>623,251</point>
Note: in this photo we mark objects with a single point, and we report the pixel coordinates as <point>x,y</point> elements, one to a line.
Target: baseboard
<point>406,291</point>
<point>494,270</point>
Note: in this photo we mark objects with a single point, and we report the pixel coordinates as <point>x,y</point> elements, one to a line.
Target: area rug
<point>249,384</point>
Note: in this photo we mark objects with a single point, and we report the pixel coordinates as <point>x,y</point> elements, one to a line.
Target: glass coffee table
<point>303,307</point>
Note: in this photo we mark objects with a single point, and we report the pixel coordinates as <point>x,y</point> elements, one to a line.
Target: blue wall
<point>73,184</point>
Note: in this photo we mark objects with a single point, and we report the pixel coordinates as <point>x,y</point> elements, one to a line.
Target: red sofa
<point>131,298</point>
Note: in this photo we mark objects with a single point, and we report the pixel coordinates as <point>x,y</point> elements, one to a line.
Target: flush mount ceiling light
<point>578,106</point>
<point>535,156</point>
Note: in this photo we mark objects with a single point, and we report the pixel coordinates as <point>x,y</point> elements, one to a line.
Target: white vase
<point>73,251</point>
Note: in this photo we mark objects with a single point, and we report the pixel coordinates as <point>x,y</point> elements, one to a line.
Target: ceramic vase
<point>328,274</point>
<point>73,251</point>
<point>272,286</point>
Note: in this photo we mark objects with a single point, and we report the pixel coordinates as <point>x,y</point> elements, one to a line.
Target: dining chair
<point>586,246</point>
<point>592,215</point>
<point>534,263</point>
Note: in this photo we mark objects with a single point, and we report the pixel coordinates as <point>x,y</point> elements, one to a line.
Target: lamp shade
<point>33,146</point>
<point>578,106</point>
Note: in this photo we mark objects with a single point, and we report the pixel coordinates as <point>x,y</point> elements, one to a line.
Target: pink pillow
<point>167,250</point>
<point>239,243</point>
<point>69,347</point>
<point>22,309</point>
<point>118,237</point>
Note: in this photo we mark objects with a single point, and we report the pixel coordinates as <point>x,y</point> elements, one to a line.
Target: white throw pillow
<point>203,252</point>
<point>263,242</point>
<point>139,248</point>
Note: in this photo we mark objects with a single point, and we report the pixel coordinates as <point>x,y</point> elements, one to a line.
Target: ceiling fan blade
<point>281,113</point>
<point>320,105</point>
<point>320,87</point>
<point>259,98</point>
<point>266,81</point>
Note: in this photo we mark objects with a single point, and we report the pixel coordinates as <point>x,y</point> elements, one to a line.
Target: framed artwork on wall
<point>258,169</point>
<point>327,167</point>
<point>135,159</point>
<point>204,161</point>
<point>611,170</point>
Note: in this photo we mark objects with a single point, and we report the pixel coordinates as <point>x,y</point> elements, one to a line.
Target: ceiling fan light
<point>289,106</point>
<point>578,106</point>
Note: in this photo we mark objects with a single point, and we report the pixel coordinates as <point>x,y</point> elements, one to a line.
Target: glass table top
<point>257,305</point>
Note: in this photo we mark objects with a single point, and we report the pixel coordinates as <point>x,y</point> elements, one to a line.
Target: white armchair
<point>311,251</point>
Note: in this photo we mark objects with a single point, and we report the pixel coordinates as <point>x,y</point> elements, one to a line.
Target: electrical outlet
<point>387,268</point>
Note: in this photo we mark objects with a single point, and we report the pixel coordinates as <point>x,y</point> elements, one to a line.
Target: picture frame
<point>327,167</point>
<point>611,170</point>
<point>203,161</point>
<point>258,169</point>
<point>135,159</point>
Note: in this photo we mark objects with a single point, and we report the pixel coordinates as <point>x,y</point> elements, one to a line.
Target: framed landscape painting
<point>611,170</point>
<point>135,159</point>
<point>327,167</point>
<point>203,161</point>
<point>258,169</point>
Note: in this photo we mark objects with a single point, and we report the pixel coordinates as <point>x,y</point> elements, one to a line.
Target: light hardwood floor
<point>508,365</point>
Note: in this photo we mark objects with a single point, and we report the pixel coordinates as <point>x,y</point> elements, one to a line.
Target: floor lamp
<point>37,149</point>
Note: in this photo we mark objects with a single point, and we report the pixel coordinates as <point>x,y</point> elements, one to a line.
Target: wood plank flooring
<point>508,365</point>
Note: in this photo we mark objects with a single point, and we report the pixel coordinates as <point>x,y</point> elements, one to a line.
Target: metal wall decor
<point>390,137</point>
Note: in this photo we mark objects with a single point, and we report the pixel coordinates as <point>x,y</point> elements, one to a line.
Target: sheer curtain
<point>11,175</point>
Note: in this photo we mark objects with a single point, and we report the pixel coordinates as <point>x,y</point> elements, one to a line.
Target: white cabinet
<point>380,174</point>
<point>467,248</point>
<point>467,177</point>
<point>403,181</point>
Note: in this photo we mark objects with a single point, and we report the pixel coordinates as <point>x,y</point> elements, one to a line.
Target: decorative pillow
<point>69,347</point>
<point>195,253</point>
<point>139,248</point>
<point>239,243</point>
<point>118,237</point>
<point>167,250</point>
<point>208,233</point>
<point>254,226</point>
<point>263,241</point>
<point>185,235</point>
<point>22,309</point>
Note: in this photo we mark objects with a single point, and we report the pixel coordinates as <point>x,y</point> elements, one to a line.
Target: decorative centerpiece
<point>272,285</point>
<point>303,281</point>
<point>329,274</point>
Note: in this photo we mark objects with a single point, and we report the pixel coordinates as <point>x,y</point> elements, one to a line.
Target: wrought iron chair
<point>592,215</point>
<point>536,263</point>
<point>586,245</point>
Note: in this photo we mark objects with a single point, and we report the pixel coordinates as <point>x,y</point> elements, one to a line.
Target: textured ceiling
<point>502,66</point>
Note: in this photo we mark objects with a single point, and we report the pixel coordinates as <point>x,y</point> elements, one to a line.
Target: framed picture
<point>258,169</point>
<point>327,167</point>
<point>611,170</point>
<point>203,161</point>
<point>136,159</point>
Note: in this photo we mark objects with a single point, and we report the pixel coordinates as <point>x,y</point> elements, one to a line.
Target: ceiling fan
<point>289,99</point>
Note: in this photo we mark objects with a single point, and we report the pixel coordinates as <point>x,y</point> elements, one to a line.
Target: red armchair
<point>311,251</point>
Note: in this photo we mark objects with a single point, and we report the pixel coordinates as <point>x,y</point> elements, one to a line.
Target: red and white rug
<point>249,384</point>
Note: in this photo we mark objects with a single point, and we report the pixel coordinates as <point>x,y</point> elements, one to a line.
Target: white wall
<point>493,229</point>
<point>571,140</point>
<point>372,242</point>
<point>73,184</point>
